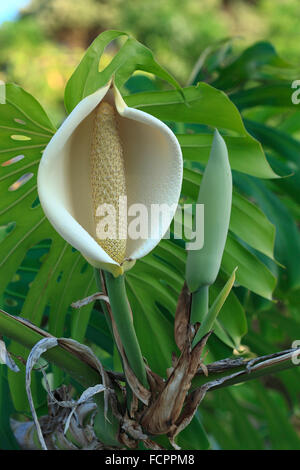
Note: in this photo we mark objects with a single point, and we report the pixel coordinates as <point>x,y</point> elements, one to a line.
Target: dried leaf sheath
<point>108,177</point>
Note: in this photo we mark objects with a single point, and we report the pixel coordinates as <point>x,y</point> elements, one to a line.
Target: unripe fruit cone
<point>216,194</point>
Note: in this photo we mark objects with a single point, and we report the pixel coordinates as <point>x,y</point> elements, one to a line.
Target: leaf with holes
<point>25,130</point>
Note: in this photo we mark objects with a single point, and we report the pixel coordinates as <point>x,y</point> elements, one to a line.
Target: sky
<point>9,10</point>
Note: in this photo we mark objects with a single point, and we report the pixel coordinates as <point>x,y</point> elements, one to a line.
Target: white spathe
<point>153,171</point>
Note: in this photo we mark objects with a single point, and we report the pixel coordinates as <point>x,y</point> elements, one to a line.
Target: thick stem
<point>28,337</point>
<point>199,304</point>
<point>123,318</point>
<point>99,283</point>
<point>250,369</point>
<point>83,373</point>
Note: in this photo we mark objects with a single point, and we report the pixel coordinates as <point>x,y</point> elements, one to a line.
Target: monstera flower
<point>104,153</point>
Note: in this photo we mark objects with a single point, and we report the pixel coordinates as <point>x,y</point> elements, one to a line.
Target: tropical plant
<point>137,374</point>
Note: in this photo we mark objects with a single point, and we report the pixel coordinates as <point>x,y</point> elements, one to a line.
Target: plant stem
<point>108,320</point>
<point>27,337</point>
<point>123,318</point>
<point>97,273</point>
<point>199,304</point>
<point>265,365</point>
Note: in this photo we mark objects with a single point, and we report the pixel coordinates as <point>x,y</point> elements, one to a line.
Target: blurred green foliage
<point>53,34</point>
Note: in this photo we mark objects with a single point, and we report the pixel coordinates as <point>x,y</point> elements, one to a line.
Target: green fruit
<point>216,194</point>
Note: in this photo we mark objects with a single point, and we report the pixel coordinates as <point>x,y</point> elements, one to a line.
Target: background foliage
<point>34,260</point>
<point>54,34</point>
